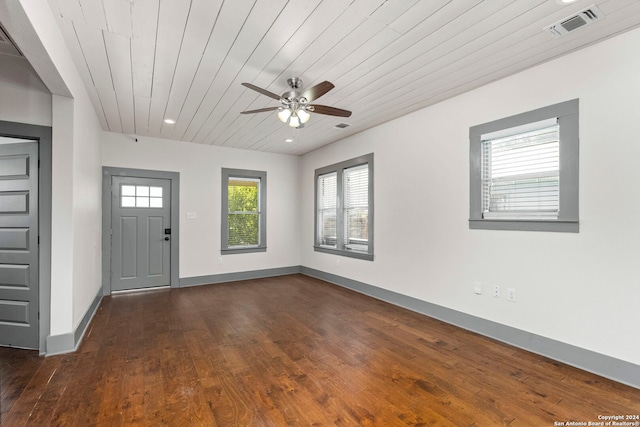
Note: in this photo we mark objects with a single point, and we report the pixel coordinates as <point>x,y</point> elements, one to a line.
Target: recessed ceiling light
<point>566,1</point>
<point>288,140</point>
<point>169,121</point>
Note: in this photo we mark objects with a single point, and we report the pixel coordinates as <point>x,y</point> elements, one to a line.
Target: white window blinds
<point>327,209</point>
<point>521,172</point>
<point>356,208</point>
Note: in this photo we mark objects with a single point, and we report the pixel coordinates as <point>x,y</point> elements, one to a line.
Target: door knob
<point>166,238</point>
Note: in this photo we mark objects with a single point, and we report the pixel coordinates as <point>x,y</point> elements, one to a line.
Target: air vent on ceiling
<point>342,125</point>
<point>580,19</point>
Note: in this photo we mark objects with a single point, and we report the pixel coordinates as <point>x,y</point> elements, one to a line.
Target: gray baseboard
<point>234,277</point>
<point>60,344</point>
<point>67,343</point>
<point>587,360</point>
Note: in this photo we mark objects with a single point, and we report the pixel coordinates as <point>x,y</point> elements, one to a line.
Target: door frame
<point>42,135</point>
<point>174,178</point>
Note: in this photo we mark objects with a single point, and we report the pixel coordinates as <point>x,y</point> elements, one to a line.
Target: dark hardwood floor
<point>291,351</point>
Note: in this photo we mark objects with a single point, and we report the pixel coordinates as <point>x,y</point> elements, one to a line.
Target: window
<point>524,171</point>
<point>327,209</point>
<point>344,208</point>
<point>140,196</point>
<point>521,173</point>
<point>244,196</point>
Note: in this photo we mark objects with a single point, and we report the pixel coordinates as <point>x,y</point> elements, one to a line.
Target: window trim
<point>339,169</point>
<point>250,174</point>
<point>568,216</point>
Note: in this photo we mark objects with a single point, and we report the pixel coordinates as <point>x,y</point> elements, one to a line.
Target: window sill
<point>350,254</point>
<point>525,225</point>
<point>230,251</point>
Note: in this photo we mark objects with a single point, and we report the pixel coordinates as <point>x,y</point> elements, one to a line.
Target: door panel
<point>16,202</point>
<point>14,239</point>
<point>14,276</point>
<point>128,246</point>
<point>14,167</point>
<point>140,249</point>
<point>156,255</point>
<point>14,312</point>
<point>19,245</point>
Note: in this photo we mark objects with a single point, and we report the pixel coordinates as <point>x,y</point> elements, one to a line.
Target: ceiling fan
<point>295,105</point>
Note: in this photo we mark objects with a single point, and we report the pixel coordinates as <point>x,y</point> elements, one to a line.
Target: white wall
<point>583,288</point>
<point>200,168</point>
<point>87,206</point>
<point>23,97</point>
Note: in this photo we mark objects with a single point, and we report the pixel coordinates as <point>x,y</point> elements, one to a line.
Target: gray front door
<point>140,233</point>
<point>19,244</point>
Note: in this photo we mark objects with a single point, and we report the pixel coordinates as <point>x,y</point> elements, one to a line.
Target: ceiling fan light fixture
<point>303,116</point>
<point>294,121</point>
<point>284,115</point>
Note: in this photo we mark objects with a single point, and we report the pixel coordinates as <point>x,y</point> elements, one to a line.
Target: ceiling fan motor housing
<point>294,82</point>
<point>292,95</point>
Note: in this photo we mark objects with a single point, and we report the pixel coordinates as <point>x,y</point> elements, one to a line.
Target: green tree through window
<point>244,215</point>
<point>244,211</point>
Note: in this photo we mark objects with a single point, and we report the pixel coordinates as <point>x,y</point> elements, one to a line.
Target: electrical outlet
<point>496,291</point>
<point>477,288</point>
<point>511,294</point>
<point>219,260</point>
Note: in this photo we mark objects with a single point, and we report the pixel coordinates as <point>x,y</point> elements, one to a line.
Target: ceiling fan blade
<point>262,91</point>
<point>260,110</point>
<point>331,111</point>
<point>317,91</point>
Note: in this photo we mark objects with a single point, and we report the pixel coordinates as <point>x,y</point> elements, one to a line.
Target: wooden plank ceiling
<point>146,60</point>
